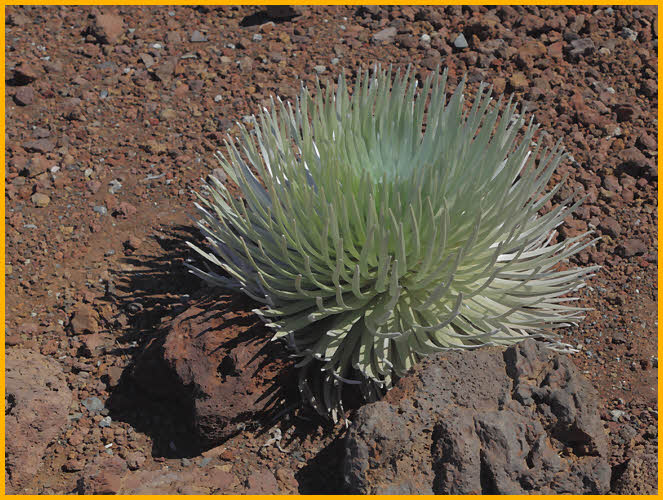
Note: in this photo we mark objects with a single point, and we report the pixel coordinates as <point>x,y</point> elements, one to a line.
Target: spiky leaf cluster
<point>390,224</point>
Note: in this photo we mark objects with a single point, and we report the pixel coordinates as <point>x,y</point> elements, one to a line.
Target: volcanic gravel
<point>112,119</point>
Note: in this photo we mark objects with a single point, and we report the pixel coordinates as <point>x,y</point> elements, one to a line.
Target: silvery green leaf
<point>384,225</point>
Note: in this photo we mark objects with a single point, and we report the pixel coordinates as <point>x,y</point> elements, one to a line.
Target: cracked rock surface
<point>490,421</point>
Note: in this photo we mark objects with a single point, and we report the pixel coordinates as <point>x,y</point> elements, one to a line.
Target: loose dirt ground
<point>112,120</point>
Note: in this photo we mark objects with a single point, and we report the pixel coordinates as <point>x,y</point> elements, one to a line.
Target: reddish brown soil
<point>84,111</point>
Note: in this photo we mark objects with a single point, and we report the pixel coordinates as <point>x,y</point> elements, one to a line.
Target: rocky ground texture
<point>113,116</point>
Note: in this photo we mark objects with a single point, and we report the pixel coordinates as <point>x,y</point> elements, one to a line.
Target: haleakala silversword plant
<point>381,229</point>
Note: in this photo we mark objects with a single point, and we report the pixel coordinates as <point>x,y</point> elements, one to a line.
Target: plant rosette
<point>380,229</point>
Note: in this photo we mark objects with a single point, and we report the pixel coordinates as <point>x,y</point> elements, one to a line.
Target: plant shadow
<point>153,290</point>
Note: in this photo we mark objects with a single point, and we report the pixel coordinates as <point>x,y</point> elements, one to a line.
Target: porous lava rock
<point>217,357</point>
<point>490,421</point>
<point>37,401</point>
<point>638,475</point>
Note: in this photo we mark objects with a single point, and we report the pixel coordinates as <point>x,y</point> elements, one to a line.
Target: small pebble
<point>220,174</point>
<point>115,186</point>
<point>73,465</point>
<point>197,37</point>
<point>257,37</point>
<point>629,34</point>
<point>93,404</point>
<point>218,98</point>
<point>40,200</point>
<point>105,422</point>
<point>100,209</point>
<point>617,414</point>
<point>320,68</point>
<point>133,243</point>
<point>460,42</point>
<point>135,460</point>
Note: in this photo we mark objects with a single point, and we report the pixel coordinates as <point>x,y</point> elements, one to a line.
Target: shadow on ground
<point>154,290</point>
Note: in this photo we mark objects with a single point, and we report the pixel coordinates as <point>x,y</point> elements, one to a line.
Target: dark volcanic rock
<point>281,12</point>
<point>25,74</point>
<point>24,95</point>
<point>37,401</point>
<point>490,421</point>
<point>221,363</point>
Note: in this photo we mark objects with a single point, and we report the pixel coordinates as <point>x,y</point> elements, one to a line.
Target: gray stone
<point>147,59</point>
<point>115,186</point>
<point>581,47</point>
<point>460,42</point>
<point>219,174</point>
<point>386,35</point>
<point>629,34</point>
<point>93,404</point>
<point>197,37</point>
